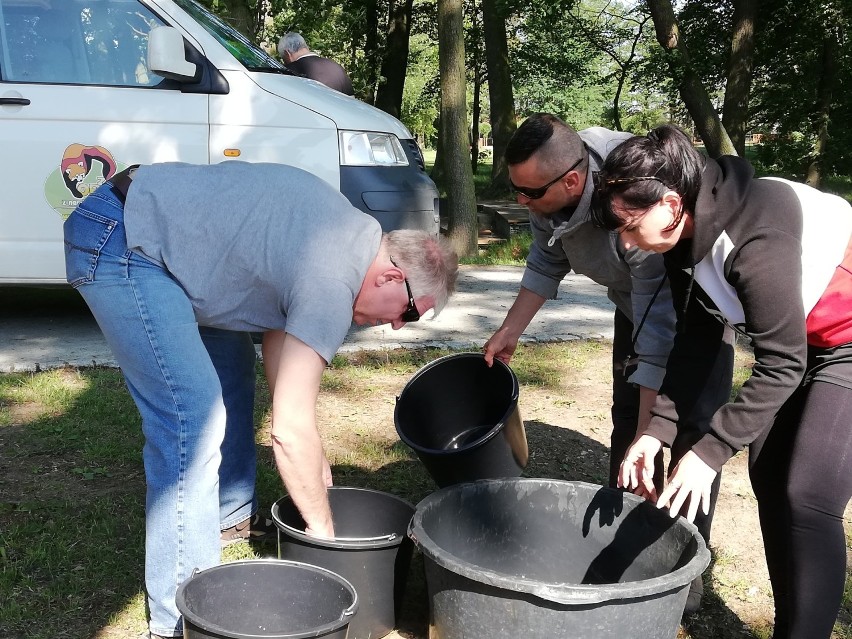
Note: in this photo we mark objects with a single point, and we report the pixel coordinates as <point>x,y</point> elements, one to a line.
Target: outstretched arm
<point>294,371</point>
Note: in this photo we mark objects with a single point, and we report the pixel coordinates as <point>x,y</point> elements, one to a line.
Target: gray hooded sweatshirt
<point>568,240</point>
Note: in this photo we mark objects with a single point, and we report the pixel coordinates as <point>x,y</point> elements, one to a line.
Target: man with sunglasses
<point>552,170</point>
<point>234,248</point>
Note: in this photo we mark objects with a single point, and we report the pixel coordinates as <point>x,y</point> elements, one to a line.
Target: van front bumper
<point>399,197</point>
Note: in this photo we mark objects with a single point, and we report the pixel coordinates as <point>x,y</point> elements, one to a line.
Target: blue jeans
<point>194,389</point>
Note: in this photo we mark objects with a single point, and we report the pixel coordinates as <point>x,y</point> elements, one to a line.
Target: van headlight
<point>367,148</point>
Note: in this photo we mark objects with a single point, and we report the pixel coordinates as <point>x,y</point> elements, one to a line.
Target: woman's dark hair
<point>640,171</point>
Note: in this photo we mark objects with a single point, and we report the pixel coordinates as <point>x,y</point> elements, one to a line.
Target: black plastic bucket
<point>266,599</point>
<point>540,558</point>
<point>461,417</point>
<point>370,549</point>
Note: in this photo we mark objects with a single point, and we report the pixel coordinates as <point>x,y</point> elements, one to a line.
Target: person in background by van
<point>238,247</point>
<point>555,166</point>
<point>773,258</point>
<point>299,58</point>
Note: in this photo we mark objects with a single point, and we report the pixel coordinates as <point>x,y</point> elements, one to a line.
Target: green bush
<point>786,156</point>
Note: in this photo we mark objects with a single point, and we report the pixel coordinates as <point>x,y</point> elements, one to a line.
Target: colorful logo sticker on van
<point>81,170</point>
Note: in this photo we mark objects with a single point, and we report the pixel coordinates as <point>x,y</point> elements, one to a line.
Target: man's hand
<point>692,480</point>
<point>637,470</point>
<point>501,345</point>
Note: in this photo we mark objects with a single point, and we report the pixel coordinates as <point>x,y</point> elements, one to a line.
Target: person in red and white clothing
<point>773,259</point>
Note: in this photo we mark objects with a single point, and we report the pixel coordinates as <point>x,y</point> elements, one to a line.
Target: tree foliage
<point>589,62</point>
<point>790,67</point>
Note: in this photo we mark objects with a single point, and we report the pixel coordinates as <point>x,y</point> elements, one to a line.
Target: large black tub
<point>266,599</point>
<point>461,418</point>
<point>371,550</point>
<point>539,558</point>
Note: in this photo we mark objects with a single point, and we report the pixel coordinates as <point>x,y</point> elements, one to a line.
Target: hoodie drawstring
<point>558,231</point>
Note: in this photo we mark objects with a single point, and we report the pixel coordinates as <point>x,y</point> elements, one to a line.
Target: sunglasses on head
<point>601,184</point>
<point>410,314</point>
<point>537,193</point>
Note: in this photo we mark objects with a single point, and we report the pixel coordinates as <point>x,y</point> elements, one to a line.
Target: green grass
<point>72,485</point>
<point>512,252</point>
<point>481,178</point>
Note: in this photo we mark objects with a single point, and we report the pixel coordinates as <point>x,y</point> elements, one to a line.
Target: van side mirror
<point>166,56</point>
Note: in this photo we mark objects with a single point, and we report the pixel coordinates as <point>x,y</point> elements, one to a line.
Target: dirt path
<point>568,430</point>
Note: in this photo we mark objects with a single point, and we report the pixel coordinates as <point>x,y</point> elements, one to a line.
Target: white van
<point>88,87</point>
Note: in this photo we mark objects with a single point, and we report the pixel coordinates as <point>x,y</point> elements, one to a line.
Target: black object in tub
<point>266,599</point>
<point>370,549</point>
<point>540,558</point>
<point>461,417</point>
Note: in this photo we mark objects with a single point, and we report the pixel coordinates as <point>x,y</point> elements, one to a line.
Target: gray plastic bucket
<point>461,418</point>
<point>266,599</point>
<point>540,558</point>
<point>371,550</point>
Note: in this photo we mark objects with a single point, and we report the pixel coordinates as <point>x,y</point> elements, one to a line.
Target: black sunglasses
<point>538,193</point>
<point>410,314</point>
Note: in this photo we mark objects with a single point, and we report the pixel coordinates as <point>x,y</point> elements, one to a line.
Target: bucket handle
<point>390,537</point>
<point>349,611</point>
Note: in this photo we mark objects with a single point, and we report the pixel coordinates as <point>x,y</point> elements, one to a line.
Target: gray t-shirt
<point>255,246</point>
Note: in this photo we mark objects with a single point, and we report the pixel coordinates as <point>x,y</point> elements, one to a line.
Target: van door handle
<point>20,101</point>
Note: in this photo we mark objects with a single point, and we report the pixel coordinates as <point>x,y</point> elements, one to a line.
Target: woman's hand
<point>637,470</point>
<point>692,480</point>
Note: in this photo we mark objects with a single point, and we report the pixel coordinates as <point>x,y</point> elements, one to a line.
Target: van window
<point>74,42</point>
<point>249,54</point>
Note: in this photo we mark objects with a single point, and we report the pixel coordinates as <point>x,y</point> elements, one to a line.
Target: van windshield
<point>249,54</point>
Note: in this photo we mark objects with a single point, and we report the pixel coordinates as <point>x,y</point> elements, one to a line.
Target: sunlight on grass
<point>512,252</point>
<point>131,617</point>
<point>395,361</point>
<point>32,396</point>
<point>541,364</point>
<point>372,453</point>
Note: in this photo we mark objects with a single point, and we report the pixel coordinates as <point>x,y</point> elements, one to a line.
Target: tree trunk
<point>437,173</point>
<point>461,200</point>
<point>475,38</point>
<point>371,50</point>
<point>693,93</point>
<point>500,93</point>
<point>826,90</point>
<point>395,62</point>
<point>474,132</point>
<point>739,75</point>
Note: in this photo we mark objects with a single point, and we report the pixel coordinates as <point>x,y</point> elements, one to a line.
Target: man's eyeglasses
<point>539,192</point>
<point>410,314</point>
